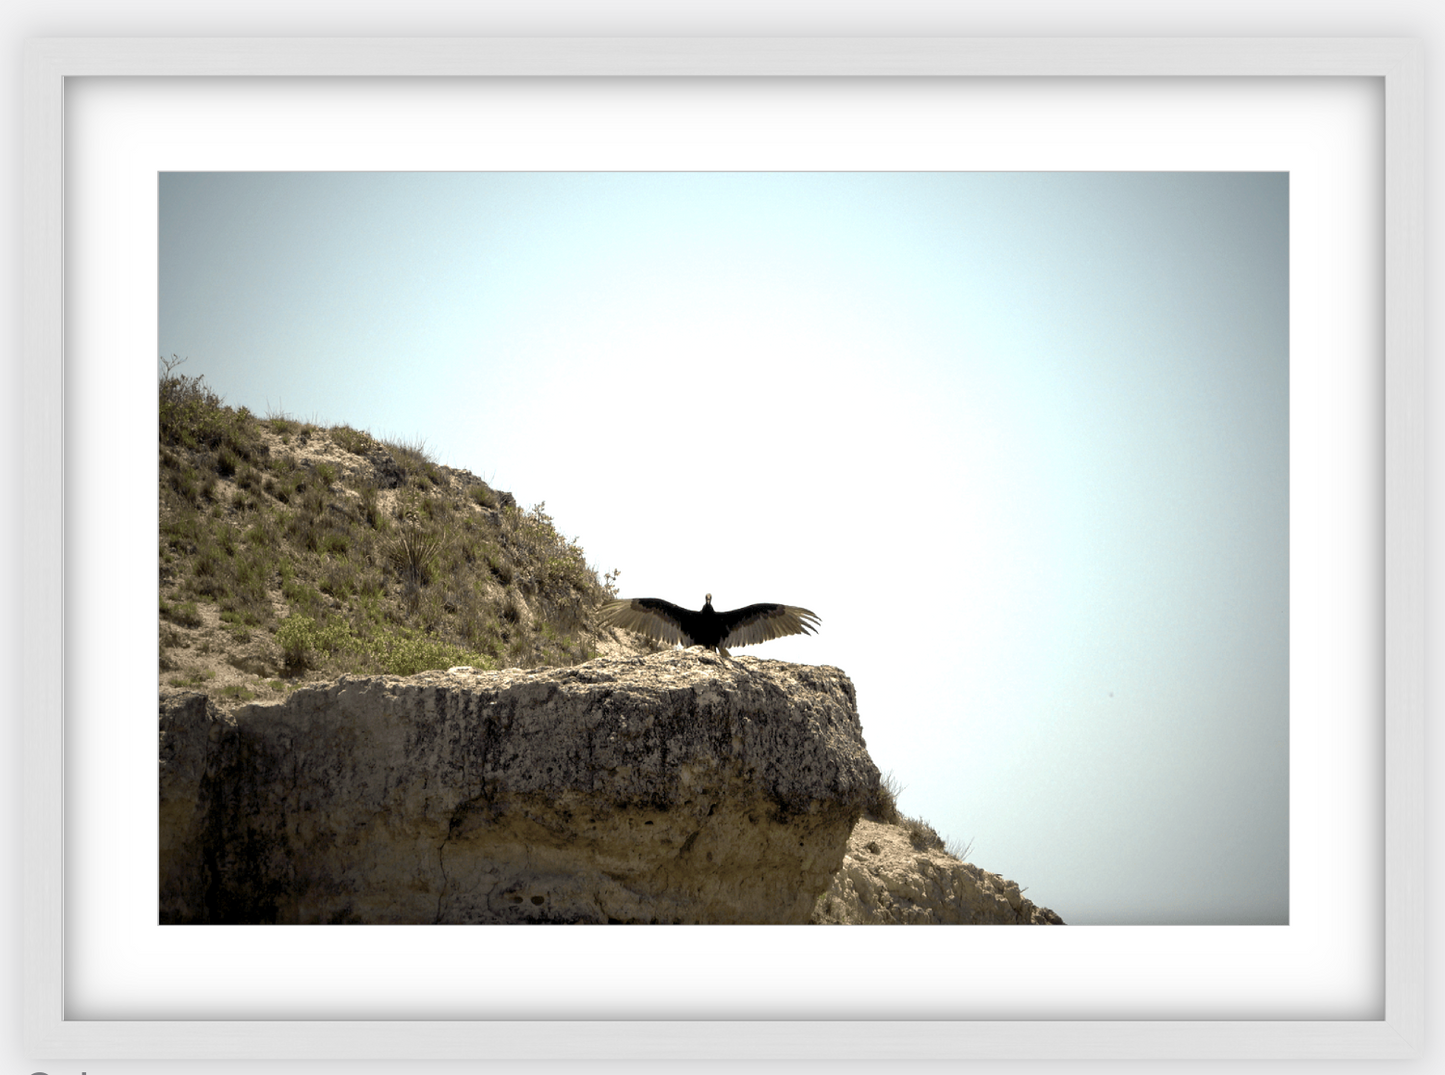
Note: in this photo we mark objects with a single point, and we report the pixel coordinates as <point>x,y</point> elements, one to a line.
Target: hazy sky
<point>1020,439</point>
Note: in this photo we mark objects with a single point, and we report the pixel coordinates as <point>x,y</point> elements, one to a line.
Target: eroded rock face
<point>884,879</point>
<point>677,787</point>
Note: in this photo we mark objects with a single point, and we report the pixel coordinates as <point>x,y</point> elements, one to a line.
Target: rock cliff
<point>677,787</point>
<point>885,879</point>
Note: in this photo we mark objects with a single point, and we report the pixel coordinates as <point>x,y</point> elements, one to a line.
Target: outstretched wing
<point>650,616</point>
<point>751,624</point>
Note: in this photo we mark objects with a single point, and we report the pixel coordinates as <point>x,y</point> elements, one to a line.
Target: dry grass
<point>922,835</point>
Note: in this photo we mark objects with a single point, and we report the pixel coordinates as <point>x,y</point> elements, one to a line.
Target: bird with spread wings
<point>746,626</point>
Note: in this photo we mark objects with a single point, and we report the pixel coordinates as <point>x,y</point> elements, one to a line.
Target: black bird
<point>744,626</point>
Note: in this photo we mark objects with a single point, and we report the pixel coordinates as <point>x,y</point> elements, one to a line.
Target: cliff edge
<point>677,787</point>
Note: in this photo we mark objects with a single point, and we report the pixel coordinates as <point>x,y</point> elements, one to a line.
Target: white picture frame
<point>48,63</point>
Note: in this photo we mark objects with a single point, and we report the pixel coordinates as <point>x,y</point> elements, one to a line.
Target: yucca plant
<point>414,550</point>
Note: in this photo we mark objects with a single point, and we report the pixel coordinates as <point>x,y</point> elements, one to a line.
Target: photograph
<point>992,469</point>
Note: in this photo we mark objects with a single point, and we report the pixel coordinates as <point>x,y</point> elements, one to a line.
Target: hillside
<point>291,551</point>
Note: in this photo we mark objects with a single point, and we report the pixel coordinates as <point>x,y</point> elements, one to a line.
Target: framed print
<point>1338,974</point>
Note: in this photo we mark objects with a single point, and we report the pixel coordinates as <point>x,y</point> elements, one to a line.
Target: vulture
<point>744,626</point>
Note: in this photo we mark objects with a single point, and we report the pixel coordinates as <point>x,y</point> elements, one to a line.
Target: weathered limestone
<point>672,788</point>
<point>885,879</point>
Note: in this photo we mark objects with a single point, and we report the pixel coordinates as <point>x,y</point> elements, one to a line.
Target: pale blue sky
<point>1021,440</point>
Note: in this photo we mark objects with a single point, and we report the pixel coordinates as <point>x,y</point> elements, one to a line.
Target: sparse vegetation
<point>185,614</point>
<point>379,560</point>
<point>960,851</point>
<point>922,835</point>
<point>884,807</point>
<point>195,679</point>
<point>353,440</point>
<point>191,416</point>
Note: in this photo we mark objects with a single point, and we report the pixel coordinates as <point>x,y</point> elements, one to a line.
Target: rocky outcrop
<point>678,787</point>
<point>886,879</point>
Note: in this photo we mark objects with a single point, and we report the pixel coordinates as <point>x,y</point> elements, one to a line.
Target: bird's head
<point>707,600</point>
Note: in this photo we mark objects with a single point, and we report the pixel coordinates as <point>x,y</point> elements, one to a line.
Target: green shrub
<point>352,440</point>
<point>371,507</point>
<point>340,581</point>
<point>282,424</point>
<point>192,416</point>
<point>921,834</point>
<point>186,484</point>
<point>499,566</point>
<point>303,598</point>
<point>187,615</point>
<point>304,530</point>
<point>883,806</point>
<point>412,450</point>
<point>246,598</point>
<point>304,643</point>
<point>261,536</point>
<point>182,531</point>
<point>399,651</point>
<point>414,460</point>
<point>207,564</point>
